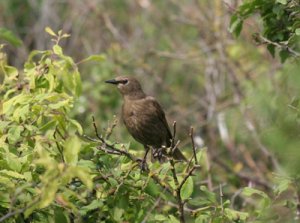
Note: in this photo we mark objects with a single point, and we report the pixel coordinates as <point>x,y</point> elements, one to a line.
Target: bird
<point>145,119</point>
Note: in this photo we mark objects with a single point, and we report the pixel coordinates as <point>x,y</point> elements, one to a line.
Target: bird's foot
<point>158,154</point>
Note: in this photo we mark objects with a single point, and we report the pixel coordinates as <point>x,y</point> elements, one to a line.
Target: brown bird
<point>144,118</point>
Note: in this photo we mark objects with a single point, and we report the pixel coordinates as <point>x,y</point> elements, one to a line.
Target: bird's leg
<point>158,153</point>
<point>144,161</point>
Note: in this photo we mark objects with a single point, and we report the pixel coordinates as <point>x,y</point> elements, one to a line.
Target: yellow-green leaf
<point>96,58</point>
<point>187,188</point>
<point>71,150</point>
<point>50,31</point>
<point>57,50</point>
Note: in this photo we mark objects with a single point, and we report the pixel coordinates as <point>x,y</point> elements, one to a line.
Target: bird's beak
<point>113,81</point>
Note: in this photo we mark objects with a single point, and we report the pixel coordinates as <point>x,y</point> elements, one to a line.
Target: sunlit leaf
<point>50,31</point>
<point>282,1</point>
<point>48,193</point>
<point>11,174</point>
<point>172,219</point>
<point>95,58</point>
<point>234,215</point>
<point>77,125</point>
<point>71,149</point>
<point>187,188</point>
<point>57,50</point>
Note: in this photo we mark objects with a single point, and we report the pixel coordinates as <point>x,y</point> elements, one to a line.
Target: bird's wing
<point>161,116</point>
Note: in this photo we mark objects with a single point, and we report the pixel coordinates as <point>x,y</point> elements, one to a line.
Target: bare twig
<point>193,145</point>
<point>96,130</point>
<point>111,128</point>
<point>221,198</point>
<point>175,178</point>
<point>174,134</point>
<point>177,190</point>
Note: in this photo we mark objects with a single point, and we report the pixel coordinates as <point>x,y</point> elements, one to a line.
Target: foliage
<point>242,103</point>
<point>50,173</point>
<point>7,35</point>
<point>280,24</point>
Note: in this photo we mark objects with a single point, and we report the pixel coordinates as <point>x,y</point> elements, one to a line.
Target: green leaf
<point>95,204</point>
<point>21,113</point>
<point>202,218</point>
<point>71,150</point>
<point>6,181</point>
<point>235,216</point>
<point>297,32</point>
<point>3,125</point>
<point>78,86</point>
<point>8,36</point>
<point>50,31</point>
<point>48,125</point>
<point>11,73</point>
<point>160,217</point>
<point>14,133</point>
<point>271,49</point>
<point>96,58</point>
<point>59,104</point>
<point>172,219</point>
<point>236,25</point>
<point>13,162</point>
<point>82,173</point>
<point>152,188</point>
<point>284,2</point>
<point>118,213</point>
<point>48,193</point>
<point>210,196</point>
<point>187,189</point>
<point>77,125</point>
<point>249,191</point>
<point>282,185</point>
<point>60,216</point>
<point>57,50</point>
<point>284,55</point>
<point>11,174</point>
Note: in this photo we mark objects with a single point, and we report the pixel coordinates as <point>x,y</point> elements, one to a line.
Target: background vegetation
<point>228,68</point>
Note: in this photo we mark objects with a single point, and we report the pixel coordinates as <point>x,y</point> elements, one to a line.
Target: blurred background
<point>241,102</point>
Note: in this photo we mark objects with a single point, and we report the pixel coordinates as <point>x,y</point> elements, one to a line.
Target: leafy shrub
<point>50,171</point>
<point>280,24</point>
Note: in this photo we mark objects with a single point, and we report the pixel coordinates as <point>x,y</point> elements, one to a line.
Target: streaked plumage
<point>143,116</point>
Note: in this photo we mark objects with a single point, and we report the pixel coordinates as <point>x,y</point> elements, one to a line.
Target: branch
<point>193,145</point>
<point>175,178</point>
<point>18,211</point>
<point>111,149</point>
<point>190,173</point>
<point>279,45</point>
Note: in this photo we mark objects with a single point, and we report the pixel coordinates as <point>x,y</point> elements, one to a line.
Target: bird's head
<point>128,86</point>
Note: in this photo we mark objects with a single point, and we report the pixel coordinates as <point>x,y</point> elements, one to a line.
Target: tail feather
<point>177,155</point>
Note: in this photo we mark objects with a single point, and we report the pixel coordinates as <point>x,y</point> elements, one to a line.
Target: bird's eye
<point>124,81</point>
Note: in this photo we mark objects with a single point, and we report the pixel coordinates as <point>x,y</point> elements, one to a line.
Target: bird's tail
<point>177,155</point>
